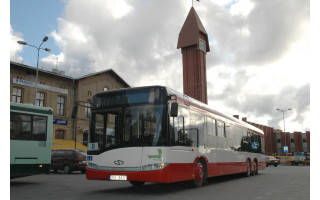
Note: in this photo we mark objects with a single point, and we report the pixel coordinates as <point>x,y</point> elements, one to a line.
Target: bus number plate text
<point>118,178</point>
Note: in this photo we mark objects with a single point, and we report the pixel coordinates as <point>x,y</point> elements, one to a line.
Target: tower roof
<point>192,27</point>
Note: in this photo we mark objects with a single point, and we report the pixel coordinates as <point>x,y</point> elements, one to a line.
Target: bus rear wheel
<point>256,167</point>
<point>199,175</point>
<point>248,171</point>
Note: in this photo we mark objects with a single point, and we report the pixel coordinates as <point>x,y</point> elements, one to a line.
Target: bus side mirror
<point>174,110</point>
<point>74,111</point>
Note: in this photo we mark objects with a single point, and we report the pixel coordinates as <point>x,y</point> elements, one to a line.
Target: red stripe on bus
<point>173,172</point>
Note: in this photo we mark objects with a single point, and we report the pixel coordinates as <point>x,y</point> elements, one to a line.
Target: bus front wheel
<point>199,175</point>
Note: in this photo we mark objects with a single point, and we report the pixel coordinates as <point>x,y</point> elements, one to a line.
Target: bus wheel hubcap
<point>199,172</point>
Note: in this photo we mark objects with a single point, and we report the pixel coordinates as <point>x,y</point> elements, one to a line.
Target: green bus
<point>30,139</point>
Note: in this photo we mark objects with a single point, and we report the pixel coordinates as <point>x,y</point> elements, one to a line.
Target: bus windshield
<point>127,126</point>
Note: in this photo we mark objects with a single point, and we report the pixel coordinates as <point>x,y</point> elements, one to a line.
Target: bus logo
<point>156,156</point>
<point>118,162</point>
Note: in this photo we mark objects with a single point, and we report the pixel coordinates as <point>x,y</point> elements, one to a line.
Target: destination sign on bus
<point>154,95</point>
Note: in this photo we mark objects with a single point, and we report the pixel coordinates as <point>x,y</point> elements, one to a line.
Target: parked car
<point>302,158</point>
<point>307,159</point>
<point>68,160</point>
<point>270,160</point>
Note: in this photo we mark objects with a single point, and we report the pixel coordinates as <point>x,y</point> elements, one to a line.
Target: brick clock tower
<point>194,44</point>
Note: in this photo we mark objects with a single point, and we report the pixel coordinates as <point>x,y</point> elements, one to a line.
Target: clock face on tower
<point>202,45</point>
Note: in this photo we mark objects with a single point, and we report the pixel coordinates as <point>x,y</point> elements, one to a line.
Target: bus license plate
<point>118,178</point>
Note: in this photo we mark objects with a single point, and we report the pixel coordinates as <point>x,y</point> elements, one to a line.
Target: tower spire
<point>194,44</point>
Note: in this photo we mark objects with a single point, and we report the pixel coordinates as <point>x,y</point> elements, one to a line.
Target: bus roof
<point>30,108</point>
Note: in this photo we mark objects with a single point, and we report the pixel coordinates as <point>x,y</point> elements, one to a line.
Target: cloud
<point>142,38</point>
<point>271,25</point>
<point>15,48</point>
<point>261,108</point>
<point>243,8</point>
<point>54,60</point>
<point>253,46</point>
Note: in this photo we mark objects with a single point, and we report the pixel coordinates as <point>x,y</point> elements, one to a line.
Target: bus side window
<point>20,126</point>
<point>180,130</point>
<point>245,142</point>
<point>39,128</point>
<point>211,126</point>
<point>262,147</point>
<point>220,129</point>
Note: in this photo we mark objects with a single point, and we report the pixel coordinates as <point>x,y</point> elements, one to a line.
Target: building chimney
<point>244,119</point>
<point>236,116</point>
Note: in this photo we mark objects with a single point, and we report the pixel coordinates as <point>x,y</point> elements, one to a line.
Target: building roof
<point>57,73</point>
<point>39,69</point>
<point>192,27</point>
<point>106,71</point>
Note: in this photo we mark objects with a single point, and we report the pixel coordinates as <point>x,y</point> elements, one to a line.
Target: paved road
<point>277,183</point>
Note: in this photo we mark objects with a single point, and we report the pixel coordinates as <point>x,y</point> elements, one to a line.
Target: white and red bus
<point>155,134</point>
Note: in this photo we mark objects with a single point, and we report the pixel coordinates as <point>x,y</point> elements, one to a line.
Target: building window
<point>304,140</point>
<point>105,88</point>
<point>60,105</point>
<point>292,140</point>
<point>40,99</point>
<point>278,141</point>
<point>17,95</point>
<point>59,134</point>
<point>87,111</point>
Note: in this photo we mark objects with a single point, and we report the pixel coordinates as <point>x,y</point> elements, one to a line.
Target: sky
<point>259,57</point>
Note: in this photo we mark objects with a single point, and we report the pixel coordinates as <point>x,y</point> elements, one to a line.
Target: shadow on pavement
<point>152,189</point>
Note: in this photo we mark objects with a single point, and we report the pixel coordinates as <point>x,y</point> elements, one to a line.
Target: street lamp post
<point>284,124</point>
<point>38,48</point>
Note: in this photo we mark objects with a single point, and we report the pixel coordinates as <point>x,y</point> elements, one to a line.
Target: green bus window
<point>39,128</point>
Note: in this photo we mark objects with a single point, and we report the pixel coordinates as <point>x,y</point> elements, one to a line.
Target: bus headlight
<point>92,166</point>
<point>155,166</point>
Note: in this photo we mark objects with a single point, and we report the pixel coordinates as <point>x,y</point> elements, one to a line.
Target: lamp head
<point>47,49</point>
<point>22,42</point>
<point>45,38</point>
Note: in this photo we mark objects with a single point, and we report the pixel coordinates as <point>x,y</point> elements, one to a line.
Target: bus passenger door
<point>183,142</point>
<point>182,137</point>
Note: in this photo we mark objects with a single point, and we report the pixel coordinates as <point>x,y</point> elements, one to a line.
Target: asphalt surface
<point>276,183</point>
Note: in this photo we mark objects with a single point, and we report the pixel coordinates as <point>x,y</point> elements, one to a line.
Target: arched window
<point>105,88</point>
<point>59,134</point>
